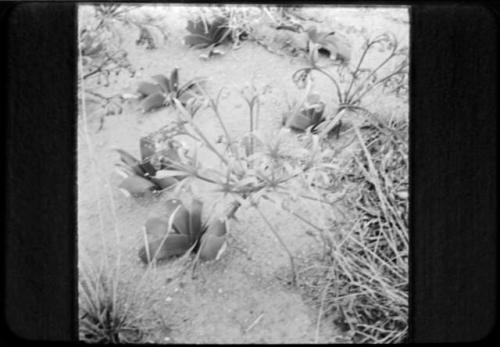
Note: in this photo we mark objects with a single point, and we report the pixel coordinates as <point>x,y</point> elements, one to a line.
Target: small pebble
<point>168,299</point>
<point>220,291</point>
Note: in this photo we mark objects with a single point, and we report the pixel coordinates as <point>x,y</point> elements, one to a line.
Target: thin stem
<point>346,96</point>
<point>98,69</point>
<point>207,142</point>
<point>295,214</point>
<point>179,166</point>
<point>257,115</point>
<point>323,297</point>
<point>372,176</point>
<point>215,107</point>
<point>278,237</point>
<point>251,106</point>
<point>397,72</point>
<point>169,230</point>
<point>392,55</point>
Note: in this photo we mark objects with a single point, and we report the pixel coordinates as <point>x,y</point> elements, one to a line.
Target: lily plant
<point>308,113</point>
<point>204,33</point>
<point>352,85</point>
<point>179,230</point>
<point>162,90</point>
<point>153,173</point>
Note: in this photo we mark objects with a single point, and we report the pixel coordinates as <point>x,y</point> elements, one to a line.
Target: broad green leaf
<point>181,218</point>
<point>299,121</point>
<point>137,186</point>
<point>164,182</point>
<point>174,80</point>
<point>163,82</point>
<point>153,101</point>
<point>173,245</point>
<point>146,88</point>
<point>127,158</point>
<point>132,162</point>
<point>195,224</point>
<point>213,241</point>
<point>203,33</point>
<point>156,228</point>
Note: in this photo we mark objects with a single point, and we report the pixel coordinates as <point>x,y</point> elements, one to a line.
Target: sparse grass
<point>364,280</point>
<point>110,311</point>
<point>106,316</point>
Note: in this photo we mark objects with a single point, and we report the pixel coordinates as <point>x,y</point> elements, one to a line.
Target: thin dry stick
<point>354,77</point>
<point>391,55</point>
<point>145,236</point>
<point>295,214</point>
<point>323,297</point>
<point>332,123</point>
<point>215,107</point>
<point>373,178</point>
<point>199,132</point>
<point>398,71</point>
<point>254,323</point>
<point>273,230</point>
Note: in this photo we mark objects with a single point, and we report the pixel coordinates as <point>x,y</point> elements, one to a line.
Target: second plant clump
<point>178,230</point>
<point>162,90</point>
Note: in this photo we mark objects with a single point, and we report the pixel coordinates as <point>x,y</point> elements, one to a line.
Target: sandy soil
<point>244,297</point>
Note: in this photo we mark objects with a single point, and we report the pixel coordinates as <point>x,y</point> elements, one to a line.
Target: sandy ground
<point>244,297</point>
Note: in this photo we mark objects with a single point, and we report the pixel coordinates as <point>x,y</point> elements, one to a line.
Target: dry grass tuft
<point>364,280</point>
<point>105,315</point>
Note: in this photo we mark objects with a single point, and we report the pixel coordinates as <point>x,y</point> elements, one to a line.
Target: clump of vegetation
<point>352,86</point>
<point>260,166</point>
<point>363,278</point>
<point>105,316</point>
<point>308,113</point>
<point>102,60</point>
<point>218,26</point>
<point>207,33</point>
<point>151,33</point>
<point>102,55</point>
<point>163,90</point>
<point>363,281</point>
<point>179,230</point>
<point>153,173</point>
<point>330,43</point>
